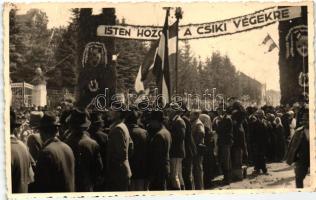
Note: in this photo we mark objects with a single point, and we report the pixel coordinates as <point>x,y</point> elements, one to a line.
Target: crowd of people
<point>68,149</point>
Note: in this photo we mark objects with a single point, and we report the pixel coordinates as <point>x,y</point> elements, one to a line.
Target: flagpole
<point>178,15</point>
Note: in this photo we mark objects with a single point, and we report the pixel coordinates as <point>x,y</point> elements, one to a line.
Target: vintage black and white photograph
<point>142,97</point>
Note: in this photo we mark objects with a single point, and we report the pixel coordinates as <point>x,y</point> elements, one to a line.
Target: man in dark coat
<point>259,140</point>
<point>224,130</point>
<point>34,141</point>
<point>198,133</point>
<point>158,159</point>
<point>177,151</point>
<point>299,151</point>
<point>190,152</point>
<point>21,170</point>
<point>88,165</point>
<point>55,168</point>
<point>119,146</point>
<point>138,158</point>
<point>96,133</point>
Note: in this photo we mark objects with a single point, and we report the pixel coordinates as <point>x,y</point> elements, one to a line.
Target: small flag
<point>268,41</point>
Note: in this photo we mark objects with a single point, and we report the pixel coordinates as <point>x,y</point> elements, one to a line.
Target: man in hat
<point>299,151</point>
<point>34,141</point>
<point>158,159</point>
<point>190,151</point>
<point>138,158</point>
<point>224,130</point>
<point>21,170</point>
<point>56,163</point>
<point>119,147</point>
<point>96,133</point>
<point>198,133</point>
<point>88,165</point>
<point>177,150</point>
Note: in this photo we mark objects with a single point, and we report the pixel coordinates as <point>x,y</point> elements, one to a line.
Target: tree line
<point>32,44</point>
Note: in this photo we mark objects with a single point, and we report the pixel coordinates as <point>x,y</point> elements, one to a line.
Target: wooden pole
<point>178,15</point>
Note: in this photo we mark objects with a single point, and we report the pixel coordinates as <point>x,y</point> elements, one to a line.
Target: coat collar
<point>132,125</point>
<point>47,142</point>
<point>175,118</point>
<point>13,139</point>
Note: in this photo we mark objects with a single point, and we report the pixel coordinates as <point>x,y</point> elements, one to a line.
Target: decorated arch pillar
<point>293,58</point>
<point>98,70</point>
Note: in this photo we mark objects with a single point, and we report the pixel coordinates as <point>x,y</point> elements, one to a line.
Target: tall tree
<point>66,67</point>
<point>28,44</point>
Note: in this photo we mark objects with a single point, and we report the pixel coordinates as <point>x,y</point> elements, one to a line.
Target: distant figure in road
<point>280,140</point>
<point>259,141</point>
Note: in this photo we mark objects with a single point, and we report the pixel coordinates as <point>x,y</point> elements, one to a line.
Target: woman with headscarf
<point>280,140</point>
<point>239,148</point>
<point>209,162</point>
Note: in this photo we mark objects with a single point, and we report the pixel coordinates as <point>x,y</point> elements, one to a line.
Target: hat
<point>117,106</point>
<point>290,112</point>
<point>260,112</point>
<point>13,121</point>
<point>79,118</point>
<point>35,118</point>
<point>131,116</point>
<point>49,120</point>
<point>175,106</point>
<point>96,118</point>
<point>157,115</point>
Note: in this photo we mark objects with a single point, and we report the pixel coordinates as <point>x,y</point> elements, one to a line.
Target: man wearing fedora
<point>119,147</point>
<point>21,170</point>
<point>158,159</point>
<point>88,165</point>
<point>190,150</point>
<point>198,133</point>
<point>138,158</point>
<point>177,150</point>
<point>34,141</point>
<point>56,163</point>
<point>97,133</point>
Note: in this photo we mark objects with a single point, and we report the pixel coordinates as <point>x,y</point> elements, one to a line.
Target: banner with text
<point>248,22</point>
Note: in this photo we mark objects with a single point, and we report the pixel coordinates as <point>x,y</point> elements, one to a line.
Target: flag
<point>160,58</point>
<point>145,70</point>
<point>268,41</point>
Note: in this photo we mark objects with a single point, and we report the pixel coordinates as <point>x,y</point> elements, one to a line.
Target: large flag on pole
<point>158,61</point>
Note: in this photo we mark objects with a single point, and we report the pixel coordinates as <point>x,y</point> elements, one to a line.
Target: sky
<point>244,49</point>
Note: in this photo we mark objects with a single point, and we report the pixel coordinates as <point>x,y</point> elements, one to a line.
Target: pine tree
<point>66,66</point>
